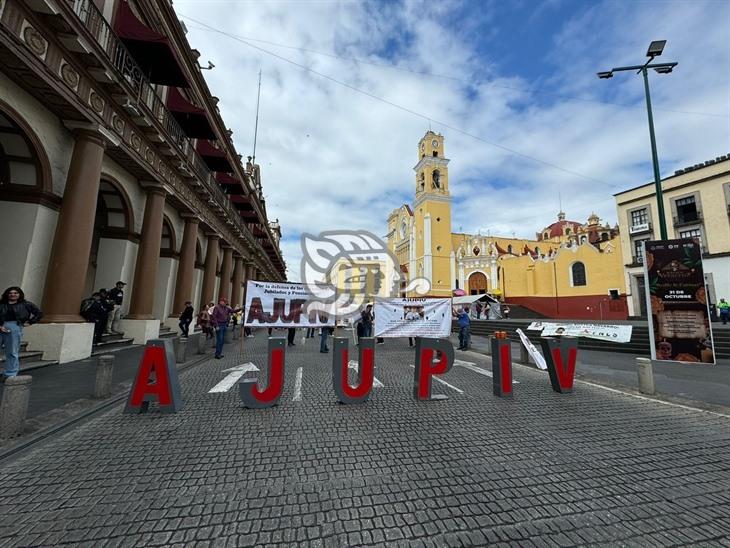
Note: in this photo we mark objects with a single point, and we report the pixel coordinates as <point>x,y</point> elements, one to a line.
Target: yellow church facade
<point>570,270</point>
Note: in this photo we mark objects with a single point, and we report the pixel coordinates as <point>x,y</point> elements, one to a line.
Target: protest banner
<point>532,350</point>
<point>679,328</point>
<point>413,317</point>
<point>276,304</point>
<point>603,332</point>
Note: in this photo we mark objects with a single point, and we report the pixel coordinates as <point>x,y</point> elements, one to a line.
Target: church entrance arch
<point>477,283</point>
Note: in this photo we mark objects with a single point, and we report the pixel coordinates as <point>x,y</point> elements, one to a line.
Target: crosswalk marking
<point>352,364</point>
<point>474,367</point>
<point>459,390</point>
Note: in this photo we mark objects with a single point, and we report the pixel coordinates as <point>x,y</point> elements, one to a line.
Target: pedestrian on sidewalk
<point>219,319</point>
<point>116,296</point>
<point>186,318</point>
<point>366,319</point>
<point>291,333</point>
<point>204,321</point>
<point>94,310</point>
<point>15,312</point>
<point>724,308</point>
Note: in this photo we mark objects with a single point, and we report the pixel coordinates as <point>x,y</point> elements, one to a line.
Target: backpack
<point>86,305</point>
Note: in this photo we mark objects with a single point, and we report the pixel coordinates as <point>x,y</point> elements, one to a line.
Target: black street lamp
<point>655,50</point>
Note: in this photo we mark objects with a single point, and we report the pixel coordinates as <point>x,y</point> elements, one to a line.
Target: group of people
<point>104,310</point>
<point>214,320</point>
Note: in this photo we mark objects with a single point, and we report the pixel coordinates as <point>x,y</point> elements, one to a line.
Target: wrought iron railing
<point>118,55</point>
<point>145,95</point>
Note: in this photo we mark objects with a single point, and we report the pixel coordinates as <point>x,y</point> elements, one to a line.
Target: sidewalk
<point>708,384</point>
<point>60,392</point>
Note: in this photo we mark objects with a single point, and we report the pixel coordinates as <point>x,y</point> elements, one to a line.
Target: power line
<point>403,108</point>
<point>540,91</point>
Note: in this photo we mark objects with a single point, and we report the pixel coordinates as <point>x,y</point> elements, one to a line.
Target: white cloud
<point>334,158</point>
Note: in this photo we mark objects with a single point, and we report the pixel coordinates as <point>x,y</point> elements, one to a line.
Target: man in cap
<point>116,297</point>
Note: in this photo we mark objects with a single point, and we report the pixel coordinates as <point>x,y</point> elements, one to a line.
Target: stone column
<point>225,286</point>
<point>211,261</point>
<point>237,280</point>
<point>69,259</point>
<point>186,266</point>
<point>148,256</point>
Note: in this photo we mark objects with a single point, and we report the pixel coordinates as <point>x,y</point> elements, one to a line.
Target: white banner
<point>412,317</point>
<point>535,326</point>
<point>603,332</point>
<point>532,350</point>
<point>274,304</point>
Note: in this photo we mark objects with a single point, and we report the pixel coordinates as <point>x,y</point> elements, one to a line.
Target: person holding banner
<point>219,319</point>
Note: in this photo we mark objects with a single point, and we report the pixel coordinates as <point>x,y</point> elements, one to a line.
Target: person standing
<point>96,312</point>
<point>15,312</point>
<point>186,318</point>
<point>724,308</point>
<point>291,333</point>
<point>326,330</point>
<point>464,323</point>
<point>219,319</point>
<point>116,296</point>
<point>204,322</point>
<point>366,318</point>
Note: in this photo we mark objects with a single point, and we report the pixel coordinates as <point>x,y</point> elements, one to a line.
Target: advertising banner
<point>679,325</point>
<point>412,317</point>
<point>603,332</point>
<point>275,304</point>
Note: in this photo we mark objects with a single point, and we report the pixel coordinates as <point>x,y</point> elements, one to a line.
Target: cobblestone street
<point>591,467</point>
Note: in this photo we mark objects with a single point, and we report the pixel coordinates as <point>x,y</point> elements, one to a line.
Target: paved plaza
<point>591,467</point>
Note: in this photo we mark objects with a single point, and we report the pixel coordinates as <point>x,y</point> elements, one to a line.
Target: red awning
<point>152,50</point>
<point>215,159</point>
<point>192,119</point>
<point>230,184</point>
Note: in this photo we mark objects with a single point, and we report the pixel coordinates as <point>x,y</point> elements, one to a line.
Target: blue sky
<point>515,95</point>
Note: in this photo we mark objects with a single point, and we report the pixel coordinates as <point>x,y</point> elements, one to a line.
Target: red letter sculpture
<point>560,355</point>
<point>365,371</point>
<point>251,396</point>
<point>156,380</point>
<point>501,367</point>
<point>426,368</point>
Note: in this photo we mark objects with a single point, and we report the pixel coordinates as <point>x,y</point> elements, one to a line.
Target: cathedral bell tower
<point>432,215</point>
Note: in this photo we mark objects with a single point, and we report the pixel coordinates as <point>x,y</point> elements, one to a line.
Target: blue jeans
<point>219,336</point>
<point>464,337</point>
<point>11,341</point>
<point>323,342</point>
<point>724,316</point>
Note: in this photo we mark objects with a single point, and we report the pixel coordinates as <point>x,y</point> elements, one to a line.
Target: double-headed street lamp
<point>655,50</point>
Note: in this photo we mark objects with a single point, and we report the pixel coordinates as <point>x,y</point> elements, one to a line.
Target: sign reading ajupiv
<point>676,296</point>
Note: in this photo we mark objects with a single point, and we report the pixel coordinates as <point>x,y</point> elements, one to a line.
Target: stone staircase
<point>114,341</point>
<point>639,343</point>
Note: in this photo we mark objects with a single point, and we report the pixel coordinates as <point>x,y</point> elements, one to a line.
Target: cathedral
<point>570,270</point>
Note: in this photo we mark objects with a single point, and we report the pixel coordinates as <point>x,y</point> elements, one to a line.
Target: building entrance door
<point>477,283</point>
<point>641,295</point>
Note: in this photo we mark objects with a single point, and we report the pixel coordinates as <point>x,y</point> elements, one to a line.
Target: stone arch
<point>24,165</point>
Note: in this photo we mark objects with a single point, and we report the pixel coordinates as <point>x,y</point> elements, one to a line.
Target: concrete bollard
<point>646,376</point>
<point>181,350</point>
<point>194,343</point>
<point>524,354</point>
<point>14,405</point>
<point>104,371</point>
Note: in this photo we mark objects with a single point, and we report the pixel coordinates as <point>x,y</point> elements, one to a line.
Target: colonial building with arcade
<point>569,270</point>
<point>115,165</point>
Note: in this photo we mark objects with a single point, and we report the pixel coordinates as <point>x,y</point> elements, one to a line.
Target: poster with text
<point>413,317</point>
<point>275,304</point>
<point>603,332</point>
<point>679,322</point>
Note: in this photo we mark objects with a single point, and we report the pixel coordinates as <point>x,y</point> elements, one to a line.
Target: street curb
<point>88,413</point>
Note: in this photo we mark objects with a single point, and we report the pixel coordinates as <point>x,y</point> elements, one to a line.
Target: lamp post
<point>655,50</point>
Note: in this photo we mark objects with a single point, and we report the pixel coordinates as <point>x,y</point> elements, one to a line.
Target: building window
<point>537,250</point>
<point>639,250</point>
<point>509,248</point>
<point>692,233</point>
<point>639,217</point>
<point>578,274</point>
<point>167,240</point>
<point>18,161</point>
<point>583,239</point>
<point>604,237</point>
<point>687,210</point>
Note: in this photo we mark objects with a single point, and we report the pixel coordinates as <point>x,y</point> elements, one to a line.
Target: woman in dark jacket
<point>15,312</point>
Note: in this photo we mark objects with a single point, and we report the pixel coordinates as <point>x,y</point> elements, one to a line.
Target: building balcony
<point>688,219</point>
